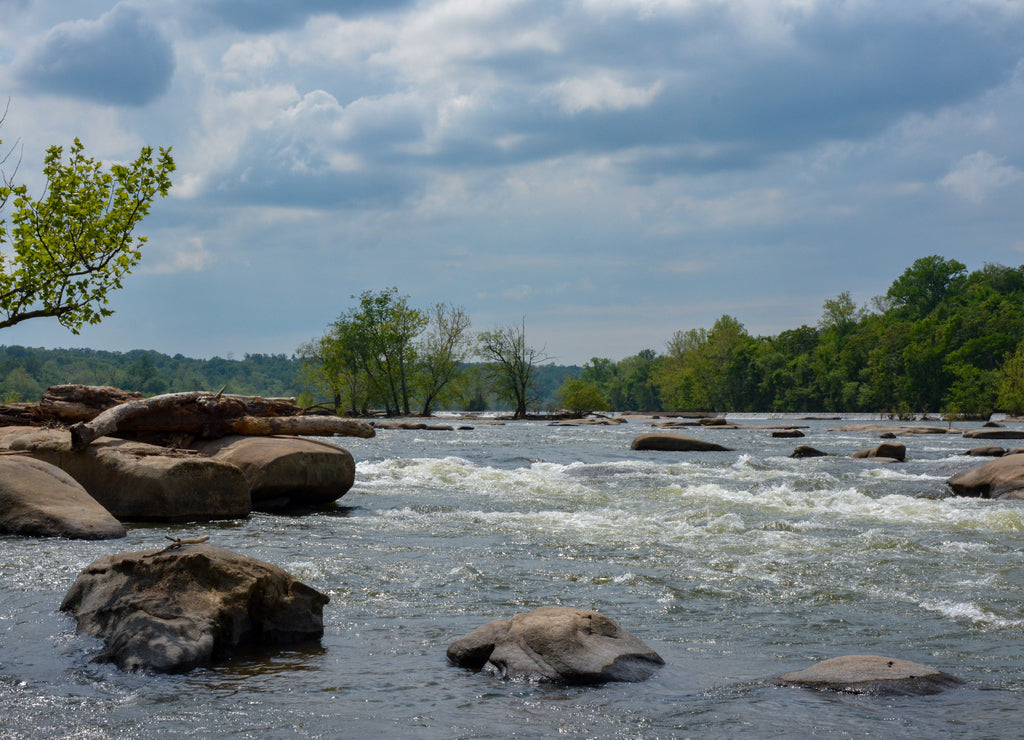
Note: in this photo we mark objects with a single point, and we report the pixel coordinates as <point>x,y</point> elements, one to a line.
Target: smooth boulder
<point>174,609</point>
<point>141,482</point>
<point>871,674</point>
<point>41,500</point>
<point>557,644</point>
<point>286,472</point>
<point>802,451</point>
<point>675,443</point>
<point>1002,478</point>
<point>885,451</point>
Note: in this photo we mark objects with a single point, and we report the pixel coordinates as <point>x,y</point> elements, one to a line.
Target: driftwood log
<point>212,415</point>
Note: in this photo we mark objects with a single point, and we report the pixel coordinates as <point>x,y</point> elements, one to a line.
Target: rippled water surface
<point>735,566</point>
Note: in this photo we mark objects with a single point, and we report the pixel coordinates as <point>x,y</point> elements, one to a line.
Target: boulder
<point>1002,478</point>
<point>871,674</point>
<point>41,500</point>
<point>808,451</point>
<point>284,472</point>
<point>674,443</point>
<point>994,434</point>
<point>140,482</point>
<point>558,644</point>
<point>787,434</point>
<point>184,606</point>
<point>885,451</point>
<point>986,451</point>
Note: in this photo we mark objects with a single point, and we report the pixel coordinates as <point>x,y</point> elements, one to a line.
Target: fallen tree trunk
<point>209,415</point>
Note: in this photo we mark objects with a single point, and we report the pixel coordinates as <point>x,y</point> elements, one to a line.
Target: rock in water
<point>284,472</point>
<point>174,609</point>
<point>41,500</point>
<point>885,451</point>
<point>1002,478</point>
<point>674,443</point>
<point>555,643</point>
<point>871,674</point>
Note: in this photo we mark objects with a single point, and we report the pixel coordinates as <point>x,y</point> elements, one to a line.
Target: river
<point>735,566</point>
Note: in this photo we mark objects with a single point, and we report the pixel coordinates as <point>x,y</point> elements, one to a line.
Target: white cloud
<point>602,92</point>
<point>192,256</point>
<point>977,175</point>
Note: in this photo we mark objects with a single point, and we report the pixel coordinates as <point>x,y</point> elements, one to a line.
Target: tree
<point>442,354</point>
<point>581,397</point>
<point>512,364</point>
<point>1011,386</point>
<point>73,245</point>
<point>923,285</point>
<point>379,333</point>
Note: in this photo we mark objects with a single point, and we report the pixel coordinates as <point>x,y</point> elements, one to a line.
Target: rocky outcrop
<point>901,430</point>
<point>41,500</point>
<point>174,609</point>
<point>994,434</point>
<point>885,451</point>
<point>871,674</point>
<point>140,482</point>
<point>286,472</point>
<point>558,644</point>
<point>674,443</point>
<point>1002,478</point>
<point>413,426</point>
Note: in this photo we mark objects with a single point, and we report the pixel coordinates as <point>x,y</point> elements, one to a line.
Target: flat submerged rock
<point>871,674</point>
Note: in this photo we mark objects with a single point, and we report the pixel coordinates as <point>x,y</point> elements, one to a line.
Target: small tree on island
<point>66,250</point>
<point>512,364</point>
<point>581,398</point>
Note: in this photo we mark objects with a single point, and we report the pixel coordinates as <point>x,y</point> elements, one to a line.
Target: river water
<point>735,566</point>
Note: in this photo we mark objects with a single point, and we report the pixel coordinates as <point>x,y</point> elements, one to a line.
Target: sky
<point>606,171</point>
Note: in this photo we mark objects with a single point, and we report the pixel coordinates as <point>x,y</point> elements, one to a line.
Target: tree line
<point>940,340</point>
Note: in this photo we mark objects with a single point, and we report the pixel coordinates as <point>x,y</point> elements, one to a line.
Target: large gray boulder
<point>1002,478</point>
<point>140,482</point>
<point>284,472</point>
<point>664,441</point>
<point>41,500</point>
<point>559,644</point>
<point>174,609</point>
<point>871,674</point>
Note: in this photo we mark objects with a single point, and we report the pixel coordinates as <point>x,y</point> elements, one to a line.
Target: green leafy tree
<point>512,364</point>
<point>580,397</point>
<point>1011,383</point>
<point>65,251</point>
<point>923,285</point>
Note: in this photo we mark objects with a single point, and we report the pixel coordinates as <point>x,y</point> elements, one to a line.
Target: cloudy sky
<point>610,170</point>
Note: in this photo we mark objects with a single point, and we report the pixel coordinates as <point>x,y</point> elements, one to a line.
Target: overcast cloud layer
<point>611,170</point>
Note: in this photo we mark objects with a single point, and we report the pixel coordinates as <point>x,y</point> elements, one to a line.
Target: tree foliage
<point>65,251</point>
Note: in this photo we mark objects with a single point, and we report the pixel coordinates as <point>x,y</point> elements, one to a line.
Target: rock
<point>872,674</point>
<point>413,425</point>
<point>901,430</point>
<point>283,472</point>
<point>713,421</point>
<point>555,643</point>
<point>993,425</point>
<point>987,451</point>
<point>174,609</point>
<point>140,482</point>
<point>808,451</point>
<point>994,434</point>
<point>41,500</point>
<point>675,443</point>
<point>887,435</point>
<point>885,451</point>
<point>787,434</point>
<point>1002,478</point>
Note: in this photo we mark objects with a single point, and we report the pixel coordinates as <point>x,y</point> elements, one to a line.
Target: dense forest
<point>941,340</point>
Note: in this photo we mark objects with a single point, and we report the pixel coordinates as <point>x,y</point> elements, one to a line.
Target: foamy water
<point>735,566</point>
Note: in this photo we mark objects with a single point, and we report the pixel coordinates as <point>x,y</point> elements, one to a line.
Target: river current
<point>735,566</point>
